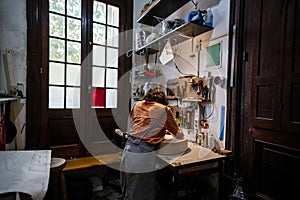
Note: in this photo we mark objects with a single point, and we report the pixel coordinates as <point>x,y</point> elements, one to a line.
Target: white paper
<point>25,171</point>
<point>167,54</point>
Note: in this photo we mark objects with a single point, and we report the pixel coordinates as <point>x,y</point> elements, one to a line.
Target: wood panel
<point>270,131</point>
<point>277,170</point>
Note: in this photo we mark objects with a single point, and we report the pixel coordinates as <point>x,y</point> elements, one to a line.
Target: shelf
<point>5,99</point>
<point>162,9</point>
<point>173,98</point>
<point>178,35</point>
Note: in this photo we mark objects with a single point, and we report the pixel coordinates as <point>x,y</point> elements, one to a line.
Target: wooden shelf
<point>173,98</point>
<point>178,35</point>
<point>161,9</point>
<point>6,98</point>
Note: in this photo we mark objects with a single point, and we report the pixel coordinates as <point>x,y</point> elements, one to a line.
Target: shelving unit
<point>162,9</point>
<point>178,35</point>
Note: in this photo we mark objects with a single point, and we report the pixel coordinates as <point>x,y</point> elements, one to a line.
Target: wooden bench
<point>87,162</point>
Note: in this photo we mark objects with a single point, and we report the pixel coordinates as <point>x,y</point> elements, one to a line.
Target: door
<point>80,44</point>
<point>270,136</point>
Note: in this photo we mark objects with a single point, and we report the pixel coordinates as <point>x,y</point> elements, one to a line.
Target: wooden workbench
<point>197,160</point>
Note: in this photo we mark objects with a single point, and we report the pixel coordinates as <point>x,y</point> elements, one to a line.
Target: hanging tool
<point>148,70</point>
<point>192,55</point>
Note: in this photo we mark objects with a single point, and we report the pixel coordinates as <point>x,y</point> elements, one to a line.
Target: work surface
<point>195,155</point>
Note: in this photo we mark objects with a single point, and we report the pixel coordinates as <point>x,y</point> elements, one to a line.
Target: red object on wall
<point>98,97</point>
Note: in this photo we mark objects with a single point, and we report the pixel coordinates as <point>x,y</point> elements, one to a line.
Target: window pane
<point>56,25</point>
<point>98,77</point>
<point>56,97</point>
<point>99,55</point>
<point>111,98</point>
<point>98,97</point>
<point>99,34</point>
<point>99,12</point>
<point>113,15</point>
<point>73,75</point>
<point>57,6</point>
<point>57,49</point>
<point>73,97</point>
<point>74,8</point>
<point>112,78</point>
<point>112,37</point>
<point>56,73</point>
<point>74,52</point>
<point>112,57</point>
<point>74,29</point>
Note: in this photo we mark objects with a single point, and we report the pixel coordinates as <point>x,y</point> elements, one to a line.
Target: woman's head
<point>156,95</point>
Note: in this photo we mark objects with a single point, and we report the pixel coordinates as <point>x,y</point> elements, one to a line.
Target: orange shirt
<point>144,116</point>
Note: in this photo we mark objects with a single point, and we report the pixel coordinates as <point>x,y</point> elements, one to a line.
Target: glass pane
<point>56,73</point>
<point>73,75</point>
<point>74,8</point>
<point>113,15</point>
<point>74,29</point>
<point>99,34</point>
<point>112,37</point>
<point>99,55</point>
<point>98,77</point>
<point>99,12</point>
<point>56,97</point>
<point>57,6</point>
<point>56,49</point>
<point>112,57</point>
<point>112,78</point>
<point>56,25</point>
<point>74,52</point>
<point>73,97</point>
<point>98,97</point>
<point>111,98</point>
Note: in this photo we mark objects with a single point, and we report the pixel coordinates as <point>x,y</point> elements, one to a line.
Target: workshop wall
<point>192,55</point>
<point>13,30</point>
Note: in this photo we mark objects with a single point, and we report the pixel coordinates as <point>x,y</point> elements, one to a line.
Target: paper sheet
<point>25,171</point>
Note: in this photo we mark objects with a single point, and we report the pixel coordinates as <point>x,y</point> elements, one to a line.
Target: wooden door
<point>270,133</point>
<point>62,36</point>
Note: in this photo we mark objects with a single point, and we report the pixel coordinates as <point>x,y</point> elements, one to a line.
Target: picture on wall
<point>214,56</point>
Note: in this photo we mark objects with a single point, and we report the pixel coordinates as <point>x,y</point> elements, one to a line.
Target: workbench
<point>196,160</point>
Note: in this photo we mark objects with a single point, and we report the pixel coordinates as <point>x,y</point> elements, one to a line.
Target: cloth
<point>145,114</point>
<point>138,170</point>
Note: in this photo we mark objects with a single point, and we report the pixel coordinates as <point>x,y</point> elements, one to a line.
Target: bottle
<point>209,18</point>
<point>204,132</point>
<point>177,118</point>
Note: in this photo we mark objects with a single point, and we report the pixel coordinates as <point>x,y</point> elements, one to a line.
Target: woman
<point>150,120</point>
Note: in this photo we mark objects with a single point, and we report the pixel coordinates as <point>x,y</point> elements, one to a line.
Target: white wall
<point>187,58</point>
<point>13,36</point>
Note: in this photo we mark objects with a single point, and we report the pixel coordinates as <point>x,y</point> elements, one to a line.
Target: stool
<point>57,186</point>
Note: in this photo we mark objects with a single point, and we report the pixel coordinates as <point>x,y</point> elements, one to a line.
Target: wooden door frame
<point>34,126</point>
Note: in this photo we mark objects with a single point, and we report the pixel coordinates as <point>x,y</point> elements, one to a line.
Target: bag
<point>2,129</point>
<point>10,128</point>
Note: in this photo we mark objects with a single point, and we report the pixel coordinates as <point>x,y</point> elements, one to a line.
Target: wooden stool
<point>57,186</point>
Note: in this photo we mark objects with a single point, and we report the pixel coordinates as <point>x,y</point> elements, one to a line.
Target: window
<point>64,53</point>
<point>65,47</point>
<point>105,55</point>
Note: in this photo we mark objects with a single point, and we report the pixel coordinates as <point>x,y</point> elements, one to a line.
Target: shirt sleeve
<point>171,124</point>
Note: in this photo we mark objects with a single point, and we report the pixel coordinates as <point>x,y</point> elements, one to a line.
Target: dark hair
<point>156,95</point>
